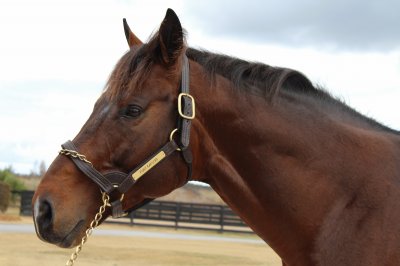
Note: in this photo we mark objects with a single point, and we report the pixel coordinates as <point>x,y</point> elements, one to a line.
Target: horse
<point>316,180</point>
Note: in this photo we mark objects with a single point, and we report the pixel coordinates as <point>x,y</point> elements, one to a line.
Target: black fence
<point>189,215</point>
<point>25,202</point>
<point>170,214</point>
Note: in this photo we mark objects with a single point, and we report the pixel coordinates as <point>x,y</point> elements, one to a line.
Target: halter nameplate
<point>153,162</point>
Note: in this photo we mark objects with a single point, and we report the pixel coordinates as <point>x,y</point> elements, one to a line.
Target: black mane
<point>253,77</point>
<point>268,81</point>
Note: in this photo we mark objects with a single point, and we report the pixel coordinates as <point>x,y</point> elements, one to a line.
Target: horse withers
<point>319,182</point>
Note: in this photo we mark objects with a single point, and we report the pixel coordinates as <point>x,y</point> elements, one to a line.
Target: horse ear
<point>131,38</point>
<point>170,37</point>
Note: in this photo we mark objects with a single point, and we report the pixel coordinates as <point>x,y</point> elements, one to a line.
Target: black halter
<point>111,182</point>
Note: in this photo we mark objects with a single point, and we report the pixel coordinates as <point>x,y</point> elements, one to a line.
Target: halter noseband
<point>122,182</point>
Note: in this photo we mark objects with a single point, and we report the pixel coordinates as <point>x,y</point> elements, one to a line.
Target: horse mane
<point>248,77</point>
<point>253,77</point>
<point>268,81</point>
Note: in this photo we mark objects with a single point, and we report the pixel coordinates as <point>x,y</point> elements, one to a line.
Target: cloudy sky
<point>55,56</point>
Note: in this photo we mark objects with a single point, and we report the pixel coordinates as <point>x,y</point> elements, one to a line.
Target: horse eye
<point>132,111</point>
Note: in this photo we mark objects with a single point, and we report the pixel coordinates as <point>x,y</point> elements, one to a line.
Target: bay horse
<point>316,180</point>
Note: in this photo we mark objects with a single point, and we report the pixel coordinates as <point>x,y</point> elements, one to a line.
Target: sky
<point>56,56</point>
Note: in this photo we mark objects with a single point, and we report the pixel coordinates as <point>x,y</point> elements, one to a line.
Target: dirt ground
<point>20,249</point>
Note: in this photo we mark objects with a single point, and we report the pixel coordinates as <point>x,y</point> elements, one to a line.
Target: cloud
<point>339,25</point>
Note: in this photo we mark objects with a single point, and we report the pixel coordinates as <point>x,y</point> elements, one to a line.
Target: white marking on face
<point>100,115</point>
<point>105,110</point>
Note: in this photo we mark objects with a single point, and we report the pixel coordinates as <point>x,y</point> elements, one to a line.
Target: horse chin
<point>72,239</point>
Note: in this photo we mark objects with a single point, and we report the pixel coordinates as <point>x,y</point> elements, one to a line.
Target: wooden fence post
<point>177,214</point>
<point>131,216</point>
<point>221,218</point>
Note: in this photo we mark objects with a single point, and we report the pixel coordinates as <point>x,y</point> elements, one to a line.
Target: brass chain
<point>93,224</point>
<point>75,154</point>
<point>106,202</point>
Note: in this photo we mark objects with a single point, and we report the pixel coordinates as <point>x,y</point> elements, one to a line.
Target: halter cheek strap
<point>113,181</point>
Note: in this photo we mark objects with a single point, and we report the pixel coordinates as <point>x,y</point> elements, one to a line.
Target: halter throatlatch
<point>117,182</point>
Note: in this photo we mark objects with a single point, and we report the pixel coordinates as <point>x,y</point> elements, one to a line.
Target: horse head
<point>128,128</point>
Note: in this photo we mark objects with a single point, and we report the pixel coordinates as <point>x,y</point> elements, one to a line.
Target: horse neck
<point>273,167</point>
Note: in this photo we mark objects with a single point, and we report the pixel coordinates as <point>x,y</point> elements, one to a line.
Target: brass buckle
<point>183,94</point>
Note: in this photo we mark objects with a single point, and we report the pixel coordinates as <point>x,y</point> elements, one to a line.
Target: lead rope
<point>93,224</point>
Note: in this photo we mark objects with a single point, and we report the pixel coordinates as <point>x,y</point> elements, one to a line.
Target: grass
<point>18,249</point>
<point>26,249</point>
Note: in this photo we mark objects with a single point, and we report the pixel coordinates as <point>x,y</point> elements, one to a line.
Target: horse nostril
<point>44,215</point>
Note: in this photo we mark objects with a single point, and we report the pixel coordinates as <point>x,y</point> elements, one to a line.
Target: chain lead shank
<point>89,231</point>
<point>75,154</point>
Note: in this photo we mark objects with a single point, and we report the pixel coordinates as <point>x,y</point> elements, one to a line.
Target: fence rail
<point>171,214</point>
<point>190,215</point>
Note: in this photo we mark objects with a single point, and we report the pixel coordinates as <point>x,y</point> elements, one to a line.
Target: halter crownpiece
<point>121,182</point>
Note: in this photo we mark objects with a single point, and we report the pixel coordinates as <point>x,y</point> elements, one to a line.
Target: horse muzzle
<point>43,216</point>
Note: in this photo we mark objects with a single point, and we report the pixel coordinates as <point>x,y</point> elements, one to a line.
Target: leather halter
<point>111,182</point>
